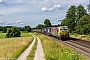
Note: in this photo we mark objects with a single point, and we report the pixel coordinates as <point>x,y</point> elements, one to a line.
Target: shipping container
<point>38,30</point>
<point>48,31</point>
<point>42,31</point>
<point>54,31</point>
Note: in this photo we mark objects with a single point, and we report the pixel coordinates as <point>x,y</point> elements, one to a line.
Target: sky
<point>33,12</point>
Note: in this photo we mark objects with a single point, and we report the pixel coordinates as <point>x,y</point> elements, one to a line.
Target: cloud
<point>3,2</point>
<point>9,23</point>
<point>19,21</point>
<point>54,8</point>
<point>2,22</point>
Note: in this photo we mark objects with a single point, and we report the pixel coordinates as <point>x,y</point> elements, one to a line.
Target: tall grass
<point>56,51</point>
<point>32,52</point>
<point>13,47</point>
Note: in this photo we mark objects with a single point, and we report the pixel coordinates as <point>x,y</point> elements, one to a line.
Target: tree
<point>27,28</point>
<point>1,28</point>
<point>88,7</point>
<point>71,13</point>
<point>20,28</point>
<point>4,30</point>
<point>47,23</point>
<point>13,32</point>
<point>40,26</point>
<point>64,22</point>
<point>70,18</point>
<point>80,12</point>
<point>83,25</point>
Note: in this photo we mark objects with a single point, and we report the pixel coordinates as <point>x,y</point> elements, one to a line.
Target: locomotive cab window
<point>63,29</point>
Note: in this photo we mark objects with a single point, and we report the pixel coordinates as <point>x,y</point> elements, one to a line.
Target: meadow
<point>23,34</point>
<point>13,47</point>
<point>56,51</point>
<point>2,35</point>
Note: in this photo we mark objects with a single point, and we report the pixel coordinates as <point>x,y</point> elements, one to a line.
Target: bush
<point>13,32</point>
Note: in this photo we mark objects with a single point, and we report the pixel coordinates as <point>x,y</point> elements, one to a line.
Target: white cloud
<point>55,7</point>
<point>19,21</point>
<point>1,1</point>
<point>44,9</point>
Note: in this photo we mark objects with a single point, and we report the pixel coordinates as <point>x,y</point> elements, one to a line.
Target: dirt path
<point>39,54</point>
<point>24,55</point>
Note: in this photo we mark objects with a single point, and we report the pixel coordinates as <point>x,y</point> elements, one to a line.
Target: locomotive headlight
<point>60,33</point>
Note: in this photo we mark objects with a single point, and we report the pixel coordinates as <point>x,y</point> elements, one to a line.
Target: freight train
<point>60,32</point>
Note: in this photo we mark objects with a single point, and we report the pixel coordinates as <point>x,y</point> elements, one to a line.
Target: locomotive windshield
<point>63,29</point>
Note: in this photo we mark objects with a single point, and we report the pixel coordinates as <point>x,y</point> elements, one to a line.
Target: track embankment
<point>80,46</point>
<point>84,48</point>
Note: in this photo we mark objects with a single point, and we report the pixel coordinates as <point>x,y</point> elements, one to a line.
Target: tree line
<point>77,20</point>
<point>13,31</point>
<point>3,29</point>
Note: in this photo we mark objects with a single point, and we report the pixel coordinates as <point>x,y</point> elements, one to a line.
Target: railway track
<point>80,46</point>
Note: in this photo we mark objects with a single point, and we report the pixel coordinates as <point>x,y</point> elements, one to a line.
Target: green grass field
<point>13,47</point>
<point>2,35</point>
<point>23,34</point>
<point>56,51</point>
